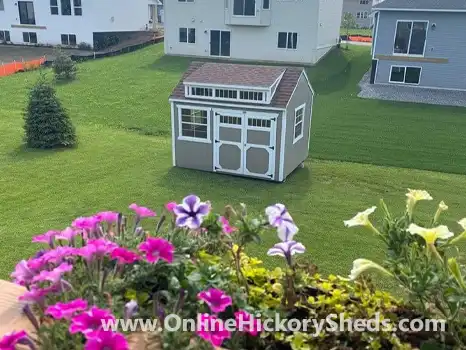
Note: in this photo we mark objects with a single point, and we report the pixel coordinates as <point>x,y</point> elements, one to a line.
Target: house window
<point>266,4</point>
<point>65,7</point>
<point>259,123</point>
<point>54,7</point>
<point>362,15</point>
<point>287,40</point>
<point>2,6</point>
<point>410,37</point>
<point>68,39</point>
<point>251,95</point>
<point>244,7</point>
<point>298,123</point>
<point>188,35</point>
<point>78,9</point>
<point>221,93</point>
<point>185,0</point>
<point>363,2</point>
<point>4,36</point>
<point>30,37</point>
<point>194,124</point>
<point>405,75</point>
<point>26,12</point>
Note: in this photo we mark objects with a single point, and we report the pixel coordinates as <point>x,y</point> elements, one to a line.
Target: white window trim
<point>187,36</point>
<point>265,94</point>
<point>245,16</point>
<point>410,35</point>
<point>194,139</point>
<point>303,107</point>
<point>286,48</point>
<point>404,77</point>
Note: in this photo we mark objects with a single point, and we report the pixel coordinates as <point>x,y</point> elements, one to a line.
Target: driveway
<point>10,53</point>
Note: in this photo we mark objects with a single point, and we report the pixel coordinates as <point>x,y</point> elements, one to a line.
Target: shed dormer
<point>233,82</point>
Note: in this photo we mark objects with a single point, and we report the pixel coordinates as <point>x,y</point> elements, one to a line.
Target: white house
<point>70,22</point>
<point>291,31</point>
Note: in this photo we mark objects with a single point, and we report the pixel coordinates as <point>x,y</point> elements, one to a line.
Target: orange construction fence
<point>15,67</point>
<point>364,39</point>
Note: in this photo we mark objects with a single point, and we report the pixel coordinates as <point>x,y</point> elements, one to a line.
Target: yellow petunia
<point>430,235</point>
<point>415,196</point>
<point>362,265</point>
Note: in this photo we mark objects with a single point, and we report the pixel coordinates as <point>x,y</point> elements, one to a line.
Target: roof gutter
<point>418,10</point>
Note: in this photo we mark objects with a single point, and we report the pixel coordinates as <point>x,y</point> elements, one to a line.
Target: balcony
<point>247,13</point>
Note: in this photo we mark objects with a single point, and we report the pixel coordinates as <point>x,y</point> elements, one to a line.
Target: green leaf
<point>131,294</point>
<point>142,298</point>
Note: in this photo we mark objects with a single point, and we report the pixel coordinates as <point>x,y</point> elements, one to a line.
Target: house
<point>361,10</point>
<point>291,31</point>
<point>71,22</point>
<point>420,43</point>
<point>240,119</point>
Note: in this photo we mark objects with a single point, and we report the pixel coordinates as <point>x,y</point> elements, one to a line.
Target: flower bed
<point>193,266</point>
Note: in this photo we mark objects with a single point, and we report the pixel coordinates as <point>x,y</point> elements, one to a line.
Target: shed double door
<point>245,143</point>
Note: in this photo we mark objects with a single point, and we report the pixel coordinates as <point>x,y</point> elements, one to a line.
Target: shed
<point>247,120</point>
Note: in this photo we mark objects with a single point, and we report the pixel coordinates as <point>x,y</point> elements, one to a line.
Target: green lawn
<point>119,106</point>
<point>357,31</point>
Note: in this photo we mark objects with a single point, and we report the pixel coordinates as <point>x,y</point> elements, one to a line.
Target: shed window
<point>222,93</point>
<point>198,91</point>
<point>410,37</point>
<point>260,123</point>
<point>228,119</point>
<point>251,95</point>
<point>194,124</point>
<point>298,123</point>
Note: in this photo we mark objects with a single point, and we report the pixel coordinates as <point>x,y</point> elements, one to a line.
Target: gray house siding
<point>200,155</point>
<point>444,44</point>
<point>297,153</point>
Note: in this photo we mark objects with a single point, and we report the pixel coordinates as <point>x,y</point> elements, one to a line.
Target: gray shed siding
<point>200,155</point>
<point>445,42</point>
<point>297,153</point>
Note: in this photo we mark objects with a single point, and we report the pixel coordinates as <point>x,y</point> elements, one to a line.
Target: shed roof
<point>280,99</point>
<point>429,5</point>
<point>235,74</point>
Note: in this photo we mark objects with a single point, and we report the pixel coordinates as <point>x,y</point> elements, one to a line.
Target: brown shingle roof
<point>235,74</point>
<point>280,99</point>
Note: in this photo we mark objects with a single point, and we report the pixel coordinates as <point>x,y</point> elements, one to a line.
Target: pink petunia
<point>142,212</point>
<point>66,310</point>
<point>226,226</point>
<point>107,216</point>
<point>124,256</point>
<point>212,329</point>
<point>107,340</point>
<point>85,223</point>
<point>53,276</point>
<point>23,273</point>
<point>10,340</point>
<point>46,238</point>
<point>57,255</point>
<point>245,322</point>
<point>97,248</point>
<point>170,206</point>
<point>157,248</point>
<point>217,299</point>
<point>90,322</point>
<point>67,234</point>
<point>37,295</point>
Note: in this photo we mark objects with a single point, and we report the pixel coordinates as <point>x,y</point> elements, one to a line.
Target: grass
<point>357,31</point>
<point>119,106</point>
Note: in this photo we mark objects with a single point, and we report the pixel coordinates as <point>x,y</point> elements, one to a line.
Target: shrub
<point>107,266</point>
<point>63,66</point>
<point>85,46</point>
<point>47,124</point>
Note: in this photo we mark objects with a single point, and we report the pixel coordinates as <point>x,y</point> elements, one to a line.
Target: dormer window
<point>225,93</point>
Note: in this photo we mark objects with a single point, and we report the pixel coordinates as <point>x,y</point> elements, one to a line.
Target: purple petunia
<point>97,248</point>
<point>66,310</point>
<point>90,322</point>
<point>280,218</point>
<point>286,249</point>
<point>191,212</point>
<point>217,299</point>
<point>46,238</point>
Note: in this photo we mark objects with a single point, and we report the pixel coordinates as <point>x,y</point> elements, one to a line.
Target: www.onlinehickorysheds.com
<point>332,323</point>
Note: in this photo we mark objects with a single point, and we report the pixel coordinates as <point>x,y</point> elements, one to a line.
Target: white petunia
<point>362,265</point>
<point>430,235</point>
<point>361,218</point>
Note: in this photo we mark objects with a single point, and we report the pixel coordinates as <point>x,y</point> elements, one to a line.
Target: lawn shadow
<point>172,64</point>
<point>333,83</point>
<point>22,152</point>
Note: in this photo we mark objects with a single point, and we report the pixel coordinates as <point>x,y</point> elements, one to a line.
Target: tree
<point>63,66</point>
<point>348,22</point>
<point>47,124</point>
